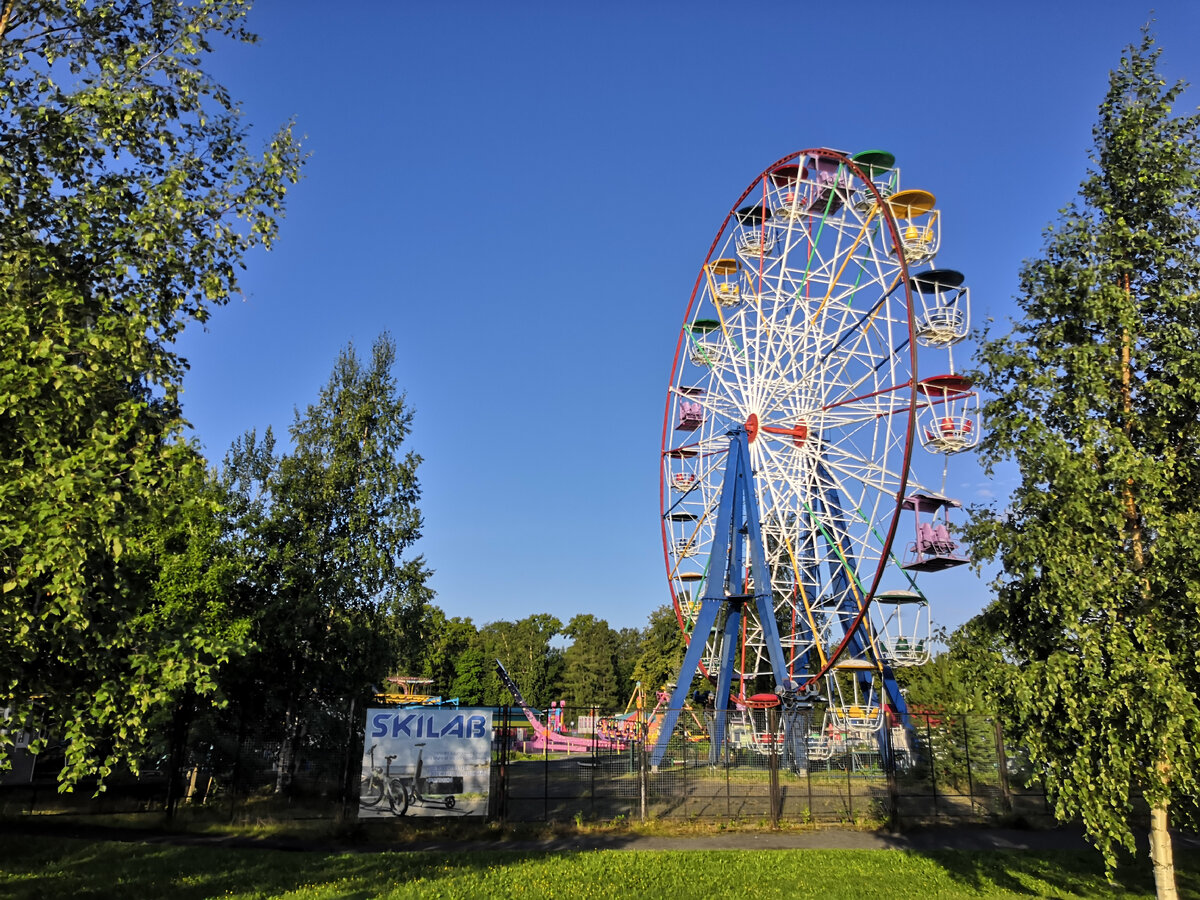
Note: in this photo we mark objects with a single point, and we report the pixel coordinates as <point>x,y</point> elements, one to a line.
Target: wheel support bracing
<point>737,526</point>
<point>859,645</point>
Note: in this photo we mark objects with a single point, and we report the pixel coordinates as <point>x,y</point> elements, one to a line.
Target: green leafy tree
<point>590,664</point>
<point>944,685</point>
<point>323,532</point>
<point>195,575</point>
<point>443,641</point>
<point>129,200</point>
<point>660,653</point>
<point>1095,394</point>
<point>629,643</point>
<point>470,684</point>
<point>524,649</point>
<point>952,721</point>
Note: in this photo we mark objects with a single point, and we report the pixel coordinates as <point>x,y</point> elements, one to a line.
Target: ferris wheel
<point>809,330</point>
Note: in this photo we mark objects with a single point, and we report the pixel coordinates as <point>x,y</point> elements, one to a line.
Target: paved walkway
<point>917,840</point>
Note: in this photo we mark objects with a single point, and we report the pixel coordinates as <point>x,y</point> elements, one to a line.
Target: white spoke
<point>806,345</point>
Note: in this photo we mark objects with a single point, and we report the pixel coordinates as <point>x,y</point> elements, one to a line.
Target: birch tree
<point>1095,395</point>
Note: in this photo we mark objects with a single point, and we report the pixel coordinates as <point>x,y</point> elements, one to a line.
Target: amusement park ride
<point>404,691</point>
<point>814,362</point>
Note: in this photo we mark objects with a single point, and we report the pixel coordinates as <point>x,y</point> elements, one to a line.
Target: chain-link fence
<point>773,768</point>
<point>575,764</point>
<point>225,777</point>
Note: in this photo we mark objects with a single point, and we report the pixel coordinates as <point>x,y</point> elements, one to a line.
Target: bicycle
<point>379,785</point>
<point>413,785</point>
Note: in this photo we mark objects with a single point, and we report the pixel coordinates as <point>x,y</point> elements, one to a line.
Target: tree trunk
<point>177,743</point>
<point>1161,854</point>
<point>289,748</point>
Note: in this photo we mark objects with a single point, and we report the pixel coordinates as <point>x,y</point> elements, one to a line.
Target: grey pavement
<point>921,840</point>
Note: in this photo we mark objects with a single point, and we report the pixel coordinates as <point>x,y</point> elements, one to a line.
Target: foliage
<point>323,531</point>
<point>129,200</point>
<point>472,669</point>
<point>628,642</point>
<point>590,664</point>
<point>524,649</point>
<point>37,866</point>
<point>1095,394</point>
<point>660,652</point>
<point>950,716</point>
<point>942,685</point>
<point>443,641</point>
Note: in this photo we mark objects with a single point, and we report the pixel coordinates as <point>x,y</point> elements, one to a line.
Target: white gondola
<point>723,282</point>
<point>920,224</point>
<point>756,243</point>
<point>763,738</point>
<point>688,607</point>
<point>905,630</point>
<point>706,353</point>
<point>854,698</point>
<point>756,238</point>
<point>944,305</point>
<point>685,547</point>
<point>949,420</point>
<point>705,343</point>
<point>880,167</point>
<point>787,179</point>
<point>727,294</point>
<point>683,481</point>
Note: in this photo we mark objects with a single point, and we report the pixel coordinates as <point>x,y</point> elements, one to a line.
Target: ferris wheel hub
<point>752,427</point>
<point>798,432</point>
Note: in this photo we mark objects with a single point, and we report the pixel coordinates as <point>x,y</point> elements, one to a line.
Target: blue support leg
<point>705,620</point>
<point>733,625</point>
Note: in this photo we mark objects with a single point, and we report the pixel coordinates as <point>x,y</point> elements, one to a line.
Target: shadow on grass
<point>40,867</point>
<point>1075,873</point>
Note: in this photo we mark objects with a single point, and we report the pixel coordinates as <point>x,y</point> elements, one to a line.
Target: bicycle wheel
<point>398,797</point>
<point>370,791</point>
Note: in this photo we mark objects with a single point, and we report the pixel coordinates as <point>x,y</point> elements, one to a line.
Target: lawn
<point>37,866</point>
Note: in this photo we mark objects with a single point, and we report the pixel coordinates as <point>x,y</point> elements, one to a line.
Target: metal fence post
<point>773,767</point>
<point>728,798</point>
<point>967,752</point>
<point>349,779</point>
<point>849,758</point>
<point>643,768</point>
<point>932,766</point>
<point>808,780</point>
<point>546,769</point>
<point>893,785</point>
<point>502,785</point>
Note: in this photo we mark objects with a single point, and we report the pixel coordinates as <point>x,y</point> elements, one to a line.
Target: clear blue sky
<point>522,194</point>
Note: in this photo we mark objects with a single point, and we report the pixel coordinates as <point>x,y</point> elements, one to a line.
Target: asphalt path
<point>921,840</point>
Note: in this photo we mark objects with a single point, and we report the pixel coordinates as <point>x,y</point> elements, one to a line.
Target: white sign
<point>424,761</point>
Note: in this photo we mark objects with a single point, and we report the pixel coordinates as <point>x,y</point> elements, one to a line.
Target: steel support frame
<point>736,528</point>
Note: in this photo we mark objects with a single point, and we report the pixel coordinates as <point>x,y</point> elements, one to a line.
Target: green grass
<point>42,866</point>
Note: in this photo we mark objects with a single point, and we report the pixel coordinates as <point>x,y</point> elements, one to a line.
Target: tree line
<point>600,666</point>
